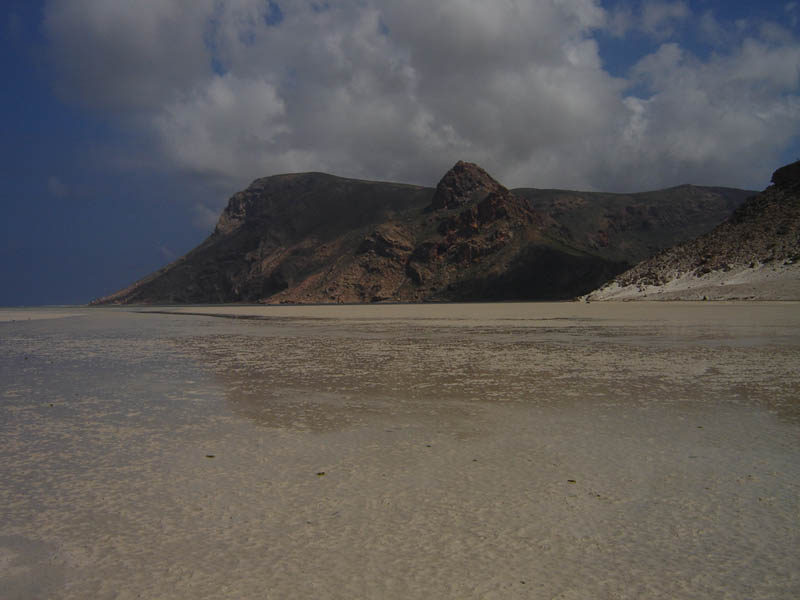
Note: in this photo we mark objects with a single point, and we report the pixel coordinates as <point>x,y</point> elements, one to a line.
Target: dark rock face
<point>463,184</point>
<point>316,238</point>
<point>388,240</point>
<point>788,176</point>
<point>477,231</point>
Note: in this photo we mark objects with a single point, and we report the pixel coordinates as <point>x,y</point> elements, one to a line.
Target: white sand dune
<point>761,282</point>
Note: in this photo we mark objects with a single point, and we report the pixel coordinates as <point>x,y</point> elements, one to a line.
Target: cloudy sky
<point>126,125</point>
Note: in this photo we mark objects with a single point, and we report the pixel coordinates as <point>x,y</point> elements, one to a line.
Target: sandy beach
<point>539,450</point>
<point>774,282</point>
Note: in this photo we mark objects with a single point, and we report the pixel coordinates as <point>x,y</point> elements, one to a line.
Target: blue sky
<point>126,126</point>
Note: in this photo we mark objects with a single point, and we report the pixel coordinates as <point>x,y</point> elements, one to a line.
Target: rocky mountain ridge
<point>317,238</point>
<point>754,254</point>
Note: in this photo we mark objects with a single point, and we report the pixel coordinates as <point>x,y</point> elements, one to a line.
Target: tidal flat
<point>531,450</point>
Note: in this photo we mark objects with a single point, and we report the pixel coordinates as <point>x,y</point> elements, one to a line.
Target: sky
<point>127,125</point>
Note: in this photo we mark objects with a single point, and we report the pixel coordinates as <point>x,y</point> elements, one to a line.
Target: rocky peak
<point>788,176</point>
<point>464,183</point>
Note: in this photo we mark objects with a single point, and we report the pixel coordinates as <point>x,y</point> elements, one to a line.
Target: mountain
<point>754,255</point>
<point>633,227</point>
<point>317,238</point>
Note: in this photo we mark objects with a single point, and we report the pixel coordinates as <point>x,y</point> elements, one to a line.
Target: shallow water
<point>506,450</point>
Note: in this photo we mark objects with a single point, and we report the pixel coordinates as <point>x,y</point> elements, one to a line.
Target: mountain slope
<point>755,254</point>
<point>317,238</point>
<point>633,227</point>
<point>272,235</point>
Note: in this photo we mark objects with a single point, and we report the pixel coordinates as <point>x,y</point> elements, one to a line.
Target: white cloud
<point>659,17</point>
<point>619,20</point>
<point>719,120</point>
<point>227,125</point>
<point>401,90</point>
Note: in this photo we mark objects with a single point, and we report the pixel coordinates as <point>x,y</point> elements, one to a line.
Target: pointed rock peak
<point>465,182</point>
<point>787,176</point>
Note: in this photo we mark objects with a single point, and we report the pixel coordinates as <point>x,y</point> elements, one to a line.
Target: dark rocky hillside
<point>316,238</point>
<point>633,227</point>
<point>754,254</point>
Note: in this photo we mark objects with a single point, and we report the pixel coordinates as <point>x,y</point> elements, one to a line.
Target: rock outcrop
<point>316,238</point>
<point>463,184</point>
<point>755,254</point>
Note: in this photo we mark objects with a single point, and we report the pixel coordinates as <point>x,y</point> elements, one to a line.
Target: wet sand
<point>35,314</point>
<point>609,450</point>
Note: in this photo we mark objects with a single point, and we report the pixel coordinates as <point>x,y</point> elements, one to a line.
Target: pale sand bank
<point>468,451</point>
<point>762,282</point>
<point>36,314</point>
